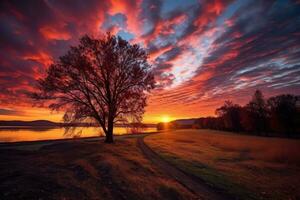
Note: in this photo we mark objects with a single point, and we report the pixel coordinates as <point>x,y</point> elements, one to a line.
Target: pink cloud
<point>52,33</point>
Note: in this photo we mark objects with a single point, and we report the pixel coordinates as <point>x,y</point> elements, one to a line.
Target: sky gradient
<point>202,52</point>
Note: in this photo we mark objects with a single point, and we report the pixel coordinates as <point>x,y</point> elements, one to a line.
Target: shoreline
<point>93,138</point>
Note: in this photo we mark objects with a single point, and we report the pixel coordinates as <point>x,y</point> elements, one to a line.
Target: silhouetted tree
<point>105,80</point>
<point>230,114</point>
<point>254,117</point>
<point>284,113</point>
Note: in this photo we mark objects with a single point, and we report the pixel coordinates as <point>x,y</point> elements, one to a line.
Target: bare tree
<point>106,80</point>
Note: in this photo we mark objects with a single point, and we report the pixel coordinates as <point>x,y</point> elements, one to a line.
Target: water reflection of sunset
<point>32,134</point>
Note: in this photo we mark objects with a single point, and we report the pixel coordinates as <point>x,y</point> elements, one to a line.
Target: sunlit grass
<point>266,167</point>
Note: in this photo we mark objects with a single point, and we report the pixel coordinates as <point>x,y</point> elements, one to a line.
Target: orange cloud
<point>40,57</point>
<point>52,33</point>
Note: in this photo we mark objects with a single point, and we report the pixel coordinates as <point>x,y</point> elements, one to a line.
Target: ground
<point>247,167</point>
<point>182,164</point>
<point>83,170</point>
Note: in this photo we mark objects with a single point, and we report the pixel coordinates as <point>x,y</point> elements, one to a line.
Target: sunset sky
<point>202,52</point>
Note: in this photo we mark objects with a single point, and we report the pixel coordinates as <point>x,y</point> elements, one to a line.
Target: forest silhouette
<point>275,116</point>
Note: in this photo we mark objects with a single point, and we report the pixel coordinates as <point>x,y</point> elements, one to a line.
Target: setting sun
<point>165,118</point>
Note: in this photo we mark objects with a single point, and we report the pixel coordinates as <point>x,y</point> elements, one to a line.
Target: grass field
<point>83,170</point>
<point>247,167</point>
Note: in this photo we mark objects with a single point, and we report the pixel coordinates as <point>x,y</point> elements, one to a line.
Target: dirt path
<point>196,186</point>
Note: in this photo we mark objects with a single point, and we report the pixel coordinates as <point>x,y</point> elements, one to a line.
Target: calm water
<point>15,134</point>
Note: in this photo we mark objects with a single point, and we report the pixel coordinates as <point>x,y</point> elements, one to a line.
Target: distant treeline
<point>276,116</point>
<point>46,123</point>
<point>41,123</point>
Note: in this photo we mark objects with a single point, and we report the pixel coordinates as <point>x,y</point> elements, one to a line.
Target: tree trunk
<point>109,135</point>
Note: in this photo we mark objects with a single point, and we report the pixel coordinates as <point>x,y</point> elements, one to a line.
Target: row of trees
<point>279,115</point>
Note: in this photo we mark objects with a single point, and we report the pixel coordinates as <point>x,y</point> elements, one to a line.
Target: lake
<point>17,134</point>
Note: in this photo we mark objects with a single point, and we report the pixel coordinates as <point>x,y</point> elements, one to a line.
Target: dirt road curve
<point>198,188</point>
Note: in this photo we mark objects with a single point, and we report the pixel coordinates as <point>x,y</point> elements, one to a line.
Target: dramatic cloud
<point>10,112</point>
<point>202,52</point>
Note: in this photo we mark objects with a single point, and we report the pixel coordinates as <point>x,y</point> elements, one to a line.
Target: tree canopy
<point>105,80</point>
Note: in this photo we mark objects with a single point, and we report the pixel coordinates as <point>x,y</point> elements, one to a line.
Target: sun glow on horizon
<point>165,119</point>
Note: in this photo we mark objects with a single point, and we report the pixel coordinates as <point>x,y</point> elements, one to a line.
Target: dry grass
<point>266,167</point>
<point>84,170</point>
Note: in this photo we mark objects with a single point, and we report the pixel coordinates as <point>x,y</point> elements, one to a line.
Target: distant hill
<point>46,123</point>
<point>184,122</point>
<point>28,123</point>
